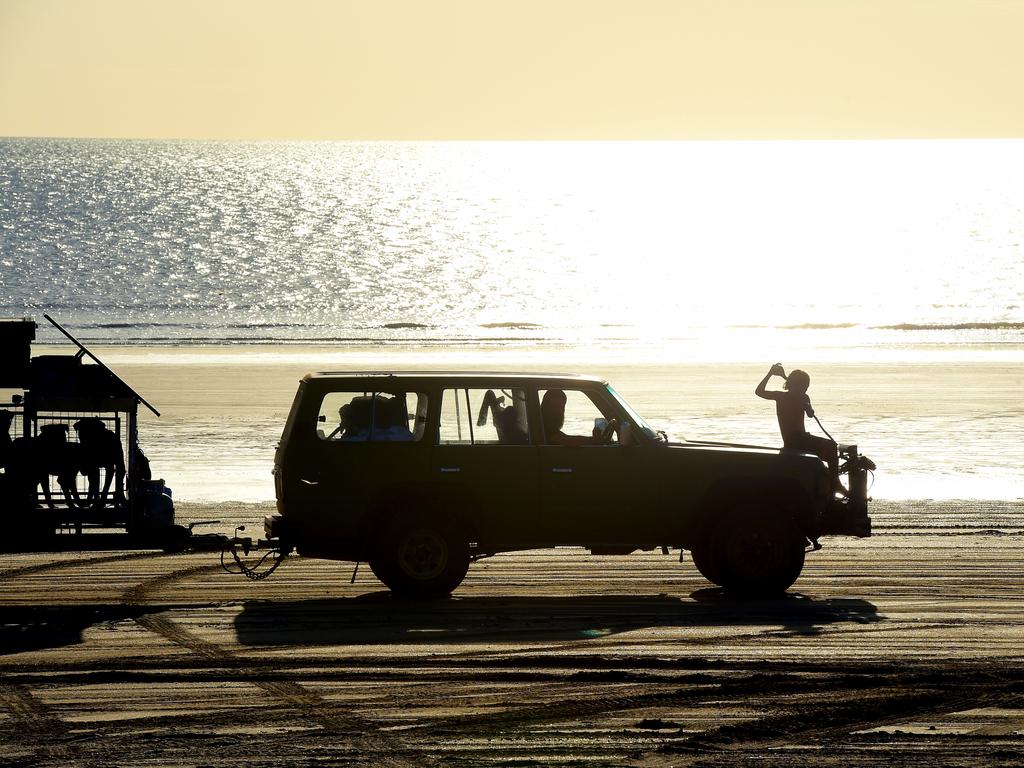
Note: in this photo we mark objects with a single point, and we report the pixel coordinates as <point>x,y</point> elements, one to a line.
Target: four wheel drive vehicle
<point>421,473</point>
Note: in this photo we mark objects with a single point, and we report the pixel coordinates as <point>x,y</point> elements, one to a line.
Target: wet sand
<point>903,649</point>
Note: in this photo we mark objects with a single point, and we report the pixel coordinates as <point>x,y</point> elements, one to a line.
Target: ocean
<point>727,245</point>
<point>592,255</point>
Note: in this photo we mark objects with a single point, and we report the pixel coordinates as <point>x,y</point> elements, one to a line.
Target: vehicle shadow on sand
<point>35,628</point>
<point>380,618</point>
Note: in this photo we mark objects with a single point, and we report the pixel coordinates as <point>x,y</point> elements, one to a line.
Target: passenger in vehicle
<point>506,424</point>
<point>354,420</point>
<point>504,418</point>
<point>391,422</point>
<point>34,459</point>
<point>101,449</point>
<point>552,412</point>
<point>790,406</point>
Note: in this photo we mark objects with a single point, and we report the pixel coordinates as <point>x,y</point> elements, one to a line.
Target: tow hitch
<point>276,552</point>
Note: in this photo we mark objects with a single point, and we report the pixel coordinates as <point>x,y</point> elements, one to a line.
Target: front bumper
<point>845,517</point>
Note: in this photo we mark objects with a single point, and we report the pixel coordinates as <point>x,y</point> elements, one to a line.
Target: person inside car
<point>552,411</point>
<point>504,418</point>
<point>392,420</point>
<point>353,422</point>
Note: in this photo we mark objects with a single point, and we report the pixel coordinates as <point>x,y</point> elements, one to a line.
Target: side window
<point>572,423</point>
<point>484,417</point>
<point>379,417</point>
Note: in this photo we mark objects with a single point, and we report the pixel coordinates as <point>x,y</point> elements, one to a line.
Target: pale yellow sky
<point>518,69</point>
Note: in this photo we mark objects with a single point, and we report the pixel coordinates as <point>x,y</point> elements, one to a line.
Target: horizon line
<point>506,140</point>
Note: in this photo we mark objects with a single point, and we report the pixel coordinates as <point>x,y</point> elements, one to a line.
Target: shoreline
<point>937,430</point>
<point>739,348</point>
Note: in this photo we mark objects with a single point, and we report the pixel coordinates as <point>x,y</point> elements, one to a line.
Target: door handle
<point>562,470</point>
<point>304,481</point>
<point>449,470</point>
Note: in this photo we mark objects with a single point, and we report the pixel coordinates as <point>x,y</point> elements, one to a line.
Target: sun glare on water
<point>713,241</point>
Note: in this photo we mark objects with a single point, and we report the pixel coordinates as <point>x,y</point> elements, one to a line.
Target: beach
<point>212,276</point>
<point>903,648</point>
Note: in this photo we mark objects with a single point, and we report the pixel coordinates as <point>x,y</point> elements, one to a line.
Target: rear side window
<point>484,417</point>
<point>379,417</point>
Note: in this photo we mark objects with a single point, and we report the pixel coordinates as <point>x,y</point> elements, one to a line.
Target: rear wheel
<point>753,550</point>
<point>706,559</point>
<point>421,555</point>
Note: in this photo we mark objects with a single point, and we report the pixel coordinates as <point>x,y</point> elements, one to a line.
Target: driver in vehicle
<point>552,411</point>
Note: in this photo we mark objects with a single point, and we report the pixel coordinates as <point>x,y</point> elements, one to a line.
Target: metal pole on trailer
<point>83,350</point>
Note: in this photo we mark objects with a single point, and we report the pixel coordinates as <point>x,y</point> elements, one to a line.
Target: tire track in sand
<point>30,715</point>
<point>35,728</point>
<point>364,736</point>
<point>26,570</point>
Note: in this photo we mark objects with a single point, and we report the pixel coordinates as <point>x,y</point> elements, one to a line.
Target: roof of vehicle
<point>463,377</point>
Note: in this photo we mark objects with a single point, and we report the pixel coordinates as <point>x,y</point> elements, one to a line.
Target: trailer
<point>70,460</point>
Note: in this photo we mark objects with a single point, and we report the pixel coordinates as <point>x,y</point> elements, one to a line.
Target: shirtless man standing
<point>790,406</point>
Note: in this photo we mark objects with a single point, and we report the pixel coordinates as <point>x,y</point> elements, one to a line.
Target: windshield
<point>640,423</point>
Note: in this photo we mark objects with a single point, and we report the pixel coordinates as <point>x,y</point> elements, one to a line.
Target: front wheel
<point>752,551</point>
<point>421,556</point>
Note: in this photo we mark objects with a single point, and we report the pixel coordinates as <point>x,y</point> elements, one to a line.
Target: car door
<point>368,444</point>
<point>494,469</point>
<point>591,491</point>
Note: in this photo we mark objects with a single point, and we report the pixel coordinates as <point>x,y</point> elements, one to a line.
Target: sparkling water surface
<point>878,243</point>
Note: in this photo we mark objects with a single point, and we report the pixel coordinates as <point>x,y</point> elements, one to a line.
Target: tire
<point>706,559</point>
<point>421,556</point>
<point>752,551</point>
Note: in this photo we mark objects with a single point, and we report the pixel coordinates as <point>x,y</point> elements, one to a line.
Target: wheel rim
<point>762,555</point>
<point>423,555</point>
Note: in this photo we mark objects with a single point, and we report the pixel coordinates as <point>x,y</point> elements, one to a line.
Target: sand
<point>902,649</point>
